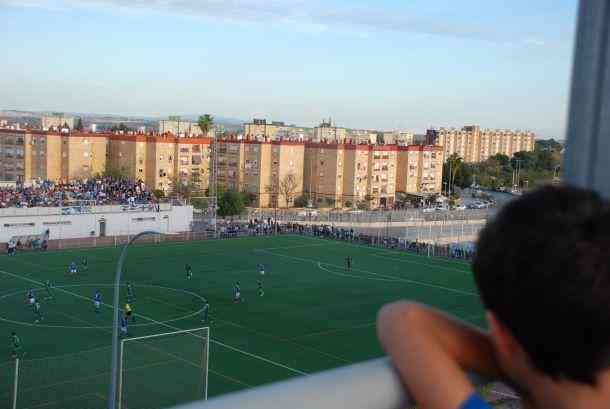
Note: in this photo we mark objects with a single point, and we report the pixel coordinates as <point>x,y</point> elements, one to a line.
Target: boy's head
<point>543,270</point>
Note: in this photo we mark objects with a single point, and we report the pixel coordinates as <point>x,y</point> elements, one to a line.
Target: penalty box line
<point>297,371</point>
<point>385,276</point>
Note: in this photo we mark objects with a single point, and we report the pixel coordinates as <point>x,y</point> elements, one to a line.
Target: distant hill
<point>88,118</point>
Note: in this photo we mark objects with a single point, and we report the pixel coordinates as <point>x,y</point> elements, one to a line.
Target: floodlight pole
<point>112,398</point>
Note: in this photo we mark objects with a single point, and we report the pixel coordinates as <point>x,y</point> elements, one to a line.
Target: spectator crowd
<point>264,227</point>
<point>98,191</point>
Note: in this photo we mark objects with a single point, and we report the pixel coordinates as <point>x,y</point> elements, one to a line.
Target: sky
<point>383,64</point>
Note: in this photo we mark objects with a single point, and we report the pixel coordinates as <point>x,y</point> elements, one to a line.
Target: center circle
<point>65,287</point>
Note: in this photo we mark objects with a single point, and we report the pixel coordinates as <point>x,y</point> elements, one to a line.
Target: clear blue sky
<point>383,64</point>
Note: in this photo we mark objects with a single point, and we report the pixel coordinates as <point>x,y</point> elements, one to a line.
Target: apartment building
<point>323,172</point>
<point>355,173</point>
<point>274,171</point>
<point>474,144</point>
<point>383,167</point>
<point>362,136</point>
<point>260,129</point>
<point>13,147</point>
<point>327,132</point>
<point>340,174</point>
<point>420,169</point>
<point>35,155</point>
<point>162,161</point>
<point>56,121</point>
<point>402,138</point>
<point>232,164</point>
<point>176,126</point>
<point>270,170</point>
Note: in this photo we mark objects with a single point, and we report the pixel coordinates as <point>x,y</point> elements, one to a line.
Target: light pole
<point>114,373</point>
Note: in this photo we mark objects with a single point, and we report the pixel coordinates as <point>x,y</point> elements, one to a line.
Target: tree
<point>121,128</point>
<point>200,203</point>
<point>453,167</point>
<point>79,125</point>
<point>230,203</point>
<point>301,201</point>
<point>205,123</point>
<point>184,188</point>
<point>288,185</point>
<point>248,198</point>
<point>114,172</point>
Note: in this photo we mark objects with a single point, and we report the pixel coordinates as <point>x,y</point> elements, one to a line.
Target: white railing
<point>372,384</point>
<point>78,209</point>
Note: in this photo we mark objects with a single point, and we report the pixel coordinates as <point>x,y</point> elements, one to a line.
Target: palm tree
<point>454,164</point>
<point>205,123</point>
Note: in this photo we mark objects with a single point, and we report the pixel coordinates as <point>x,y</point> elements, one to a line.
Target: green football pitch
<point>314,315</point>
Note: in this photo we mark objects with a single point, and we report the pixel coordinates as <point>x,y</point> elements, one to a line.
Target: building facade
<point>162,161</point>
<point>180,128</point>
<point>57,121</point>
<point>272,171</point>
<point>474,144</point>
<point>260,129</point>
<point>327,132</point>
<point>346,174</point>
<point>26,156</point>
<point>420,169</point>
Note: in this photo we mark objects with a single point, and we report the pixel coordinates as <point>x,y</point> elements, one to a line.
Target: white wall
<point>22,222</point>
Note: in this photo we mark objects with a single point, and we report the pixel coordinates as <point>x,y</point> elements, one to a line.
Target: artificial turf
<point>315,315</point>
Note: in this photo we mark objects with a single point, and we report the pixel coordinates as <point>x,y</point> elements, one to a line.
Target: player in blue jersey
<point>31,297</point>
<point>72,268</point>
<point>97,301</point>
<point>123,325</point>
<point>237,293</point>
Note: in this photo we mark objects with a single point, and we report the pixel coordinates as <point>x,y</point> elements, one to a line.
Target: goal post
<point>164,370</point>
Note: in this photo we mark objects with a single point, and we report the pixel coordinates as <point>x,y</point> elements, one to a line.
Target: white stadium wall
<point>80,221</point>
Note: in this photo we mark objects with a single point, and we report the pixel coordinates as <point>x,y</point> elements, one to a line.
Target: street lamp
<point>114,373</point>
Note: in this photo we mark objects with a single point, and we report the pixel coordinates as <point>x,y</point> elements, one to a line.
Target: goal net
<point>164,370</point>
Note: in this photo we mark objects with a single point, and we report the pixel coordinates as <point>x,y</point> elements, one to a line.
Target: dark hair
<point>543,268</point>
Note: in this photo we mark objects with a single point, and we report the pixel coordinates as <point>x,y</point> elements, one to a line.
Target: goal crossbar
<point>163,334</point>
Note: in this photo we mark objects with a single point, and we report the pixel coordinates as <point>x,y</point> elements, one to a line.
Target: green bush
<point>301,201</point>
